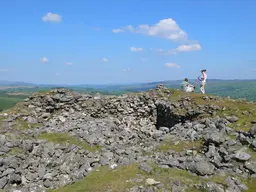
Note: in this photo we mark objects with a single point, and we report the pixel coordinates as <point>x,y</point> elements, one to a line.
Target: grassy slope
<point>6,102</point>
<point>125,177</point>
<point>234,89</point>
<point>63,138</point>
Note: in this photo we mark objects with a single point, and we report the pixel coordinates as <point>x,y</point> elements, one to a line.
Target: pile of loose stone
<point>128,128</point>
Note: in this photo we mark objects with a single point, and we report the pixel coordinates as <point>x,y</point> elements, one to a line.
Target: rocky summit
<point>159,140</point>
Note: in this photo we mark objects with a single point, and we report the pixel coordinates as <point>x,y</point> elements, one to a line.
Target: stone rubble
<point>129,128</point>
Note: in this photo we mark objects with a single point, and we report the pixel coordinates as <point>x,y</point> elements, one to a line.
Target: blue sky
<point>95,42</point>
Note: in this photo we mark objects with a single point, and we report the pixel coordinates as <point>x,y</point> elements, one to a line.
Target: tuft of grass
<point>251,184</point>
<point>1,121</point>
<point>62,138</point>
<point>246,112</point>
<point>103,180</point>
<point>116,180</point>
<point>180,145</point>
<point>15,151</point>
<point>21,124</point>
<point>166,176</point>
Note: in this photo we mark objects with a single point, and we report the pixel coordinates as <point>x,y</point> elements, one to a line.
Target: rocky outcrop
<point>127,129</point>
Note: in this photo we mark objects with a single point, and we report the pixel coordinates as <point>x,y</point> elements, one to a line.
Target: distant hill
<point>15,83</point>
<point>234,88</point>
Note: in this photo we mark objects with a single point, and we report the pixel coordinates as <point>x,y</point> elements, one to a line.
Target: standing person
<point>203,81</point>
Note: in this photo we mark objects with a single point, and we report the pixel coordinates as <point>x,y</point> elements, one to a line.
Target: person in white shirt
<point>203,81</point>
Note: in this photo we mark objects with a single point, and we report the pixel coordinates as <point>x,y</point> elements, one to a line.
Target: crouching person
<point>186,86</point>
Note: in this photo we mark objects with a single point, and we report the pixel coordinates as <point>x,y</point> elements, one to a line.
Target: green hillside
<point>234,88</point>
<point>7,101</point>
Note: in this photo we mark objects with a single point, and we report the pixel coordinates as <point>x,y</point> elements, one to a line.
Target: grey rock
<point>176,188</point>
<point>3,182</point>
<point>213,187</point>
<point>251,166</point>
<point>62,119</point>
<point>146,167</point>
<point>64,180</point>
<point>47,183</point>
<point>231,142</point>
<point>24,180</point>
<point>214,137</point>
<point>108,155</point>
<point>46,115</point>
<point>14,163</point>
<point>232,119</point>
<point>252,130</point>
<point>230,181</point>
<point>244,139</point>
<point>243,187</point>
<point>201,168</point>
<point>31,120</point>
<point>4,149</point>
<point>27,146</point>
<point>211,151</point>
<point>172,162</point>
<point>31,176</point>
<point>2,140</point>
<point>104,161</point>
<point>242,156</point>
<point>41,171</point>
<point>253,144</point>
<point>233,189</point>
<point>15,179</point>
<point>7,172</point>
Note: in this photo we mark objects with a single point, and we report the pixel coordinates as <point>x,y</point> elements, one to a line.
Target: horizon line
<point>106,84</point>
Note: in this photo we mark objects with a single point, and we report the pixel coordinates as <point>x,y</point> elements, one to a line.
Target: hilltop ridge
<point>157,140</point>
<point>233,88</point>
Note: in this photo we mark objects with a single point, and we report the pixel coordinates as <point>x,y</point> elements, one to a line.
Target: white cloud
<point>165,28</point>
<point>126,70</point>
<point>117,30</point>
<point>3,70</point>
<point>181,48</point>
<point>172,65</point>
<point>44,60</point>
<point>52,17</point>
<point>160,50</point>
<point>136,49</point>
<point>166,52</point>
<point>69,63</point>
<point>187,48</point>
<point>104,59</point>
